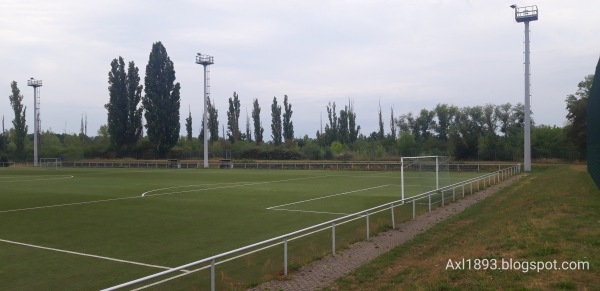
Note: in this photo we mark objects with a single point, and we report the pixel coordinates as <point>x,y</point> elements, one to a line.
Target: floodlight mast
<point>36,84</point>
<point>205,61</point>
<point>525,15</point>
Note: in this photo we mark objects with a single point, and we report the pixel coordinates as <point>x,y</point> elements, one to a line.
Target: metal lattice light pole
<point>206,61</point>
<point>525,15</point>
<point>36,84</point>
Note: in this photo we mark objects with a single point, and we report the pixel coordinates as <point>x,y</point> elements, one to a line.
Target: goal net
<point>52,163</point>
<point>422,174</point>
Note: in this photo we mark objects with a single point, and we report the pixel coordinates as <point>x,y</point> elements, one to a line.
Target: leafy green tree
<point>2,138</point>
<point>288,125</point>
<point>490,119</point>
<point>336,147</point>
<point>353,128</point>
<point>276,132</point>
<point>233,119</point>
<point>331,128</point>
<point>577,115</point>
<point>343,127</point>
<point>393,133</point>
<point>124,115</point>
<point>406,144</point>
<point>549,142</point>
<point>503,114</point>
<point>188,125</point>
<point>406,122</point>
<point>161,100</point>
<point>445,115</point>
<point>258,129</point>
<point>16,101</point>
<point>213,120</point>
<point>248,136</point>
<point>425,123</point>
<point>380,133</point>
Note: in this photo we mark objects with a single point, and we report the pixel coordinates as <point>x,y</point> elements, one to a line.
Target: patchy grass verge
<point>552,214</point>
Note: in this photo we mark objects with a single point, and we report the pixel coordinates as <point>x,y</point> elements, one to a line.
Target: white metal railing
<point>487,179</point>
<point>155,165</point>
<point>385,166</point>
<point>7,164</point>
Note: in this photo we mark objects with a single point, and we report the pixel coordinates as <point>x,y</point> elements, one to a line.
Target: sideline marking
<point>323,197</point>
<point>44,179</point>
<point>67,204</point>
<point>87,255</point>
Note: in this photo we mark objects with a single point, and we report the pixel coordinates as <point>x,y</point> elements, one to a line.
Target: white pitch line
<point>187,186</point>
<point>85,255</point>
<point>231,186</point>
<point>67,204</point>
<point>323,197</point>
<point>134,197</point>
<point>45,179</point>
<point>310,211</point>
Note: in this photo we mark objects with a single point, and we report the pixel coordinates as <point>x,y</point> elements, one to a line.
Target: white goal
<point>423,174</point>
<point>53,163</point>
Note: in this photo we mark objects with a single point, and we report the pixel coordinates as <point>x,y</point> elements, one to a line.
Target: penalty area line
<point>87,255</point>
<point>333,195</point>
<point>310,211</point>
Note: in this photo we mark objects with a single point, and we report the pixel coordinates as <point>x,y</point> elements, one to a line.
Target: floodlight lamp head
<point>514,6</point>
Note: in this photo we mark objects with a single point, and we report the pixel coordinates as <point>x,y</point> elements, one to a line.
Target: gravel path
<point>324,272</point>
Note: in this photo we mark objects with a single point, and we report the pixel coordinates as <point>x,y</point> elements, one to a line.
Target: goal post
<point>50,163</point>
<point>426,172</point>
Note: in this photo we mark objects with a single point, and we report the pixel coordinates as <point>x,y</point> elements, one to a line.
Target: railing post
<point>443,202</point>
<point>393,220</point>
<point>333,238</point>
<point>429,197</point>
<point>414,209</point>
<point>463,190</point>
<point>285,257</point>
<point>212,275</point>
<point>368,227</point>
<point>454,194</point>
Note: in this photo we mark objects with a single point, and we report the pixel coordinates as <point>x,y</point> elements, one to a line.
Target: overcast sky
<point>405,54</point>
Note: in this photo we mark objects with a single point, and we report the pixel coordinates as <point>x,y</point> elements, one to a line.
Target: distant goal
<point>50,163</point>
<point>425,173</point>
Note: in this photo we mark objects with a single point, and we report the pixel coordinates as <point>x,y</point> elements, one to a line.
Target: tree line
<point>486,132</point>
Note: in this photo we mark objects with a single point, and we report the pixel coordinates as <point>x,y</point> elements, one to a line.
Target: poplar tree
<point>124,115</point>
<point>188,125</point>
<point>16,101</point>
<point>233,119</point>
<point>161,100</point>
<point>276,122</point>
<point>288,125</point>
<point>258,129</point>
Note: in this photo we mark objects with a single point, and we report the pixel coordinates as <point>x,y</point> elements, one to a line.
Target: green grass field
<point>136,222</point>
<point>552,214</point>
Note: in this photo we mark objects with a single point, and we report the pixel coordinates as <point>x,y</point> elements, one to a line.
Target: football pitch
<point>82,229</point>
